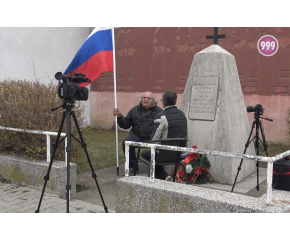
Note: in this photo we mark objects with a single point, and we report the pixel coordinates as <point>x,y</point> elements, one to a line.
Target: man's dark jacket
<point>172,123</point>
<point>140,120</point>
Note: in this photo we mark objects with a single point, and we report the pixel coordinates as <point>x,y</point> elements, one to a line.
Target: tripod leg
<point>257,151</point>
<point>264,142</point>
<point>55,146</point>
<point>68,150</point>
<point>88,158</point>
<point>246,146</point>
<point>265,145</point>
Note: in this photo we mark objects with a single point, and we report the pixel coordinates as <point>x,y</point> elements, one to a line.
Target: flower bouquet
<point>194,169</point>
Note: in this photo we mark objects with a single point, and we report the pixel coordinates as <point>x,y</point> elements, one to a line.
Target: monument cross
<point>215,36</point>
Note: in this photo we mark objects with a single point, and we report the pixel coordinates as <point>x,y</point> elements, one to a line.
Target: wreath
<point>196,166</point>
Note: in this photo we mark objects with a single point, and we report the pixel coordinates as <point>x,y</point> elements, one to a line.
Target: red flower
<point>189,178</point>
<point>179,174</point>
<point>193,155</point>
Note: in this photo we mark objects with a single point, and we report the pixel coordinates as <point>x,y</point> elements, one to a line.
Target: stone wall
<point>31,174</point>
<point>140,195</point>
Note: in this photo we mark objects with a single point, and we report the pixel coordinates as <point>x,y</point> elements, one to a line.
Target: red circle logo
<point>268,45</point>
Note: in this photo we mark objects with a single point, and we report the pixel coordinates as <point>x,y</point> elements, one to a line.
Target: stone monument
<point>216,114</point>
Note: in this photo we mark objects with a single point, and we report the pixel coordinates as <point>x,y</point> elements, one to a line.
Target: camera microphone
<point>60,76</point>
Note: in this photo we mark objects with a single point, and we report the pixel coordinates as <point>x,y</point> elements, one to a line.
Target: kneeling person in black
<point>171,123</point>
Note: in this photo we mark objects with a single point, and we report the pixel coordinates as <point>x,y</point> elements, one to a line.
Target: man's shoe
<point>168,178</point>
<point>131,171</point>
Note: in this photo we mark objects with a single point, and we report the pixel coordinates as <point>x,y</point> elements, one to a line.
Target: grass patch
<point>273,149</point>
<point>101,146</point>
<point>80,188</point>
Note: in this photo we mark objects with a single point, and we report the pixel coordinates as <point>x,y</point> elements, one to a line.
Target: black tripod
<point>258,109</point>
<point>67,113</point>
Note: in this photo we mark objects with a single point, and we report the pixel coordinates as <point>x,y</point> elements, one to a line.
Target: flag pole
<point>115,96</point>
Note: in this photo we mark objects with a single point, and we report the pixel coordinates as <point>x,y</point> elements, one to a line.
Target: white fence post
<point>48,147</point>
<point>126,159</point>
<point>65,145</point>
<point>152,165</point>
<point>269,182</point>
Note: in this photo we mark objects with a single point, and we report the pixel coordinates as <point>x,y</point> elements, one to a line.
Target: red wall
<point>159,59</point>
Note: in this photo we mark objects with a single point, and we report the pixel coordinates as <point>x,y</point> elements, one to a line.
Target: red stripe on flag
<point>97,64</point>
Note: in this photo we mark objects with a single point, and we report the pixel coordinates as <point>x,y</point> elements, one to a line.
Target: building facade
<point>159,59</point>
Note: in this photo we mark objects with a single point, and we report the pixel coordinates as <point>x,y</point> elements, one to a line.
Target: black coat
<point>172,123</point>
<point>141,122</point>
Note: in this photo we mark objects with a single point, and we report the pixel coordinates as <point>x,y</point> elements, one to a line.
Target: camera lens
<point>250,109</point>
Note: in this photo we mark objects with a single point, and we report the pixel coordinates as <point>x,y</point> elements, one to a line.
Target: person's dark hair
<point>169,98</point>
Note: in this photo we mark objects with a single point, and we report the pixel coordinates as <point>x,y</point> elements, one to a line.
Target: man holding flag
<point>141,120</point>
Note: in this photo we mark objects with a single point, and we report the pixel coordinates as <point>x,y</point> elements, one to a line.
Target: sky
<point>150,13</point>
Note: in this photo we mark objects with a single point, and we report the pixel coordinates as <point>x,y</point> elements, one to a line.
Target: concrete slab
<point>140,195</point>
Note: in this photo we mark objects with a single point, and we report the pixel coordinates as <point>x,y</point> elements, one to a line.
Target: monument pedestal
<point>213,103</point>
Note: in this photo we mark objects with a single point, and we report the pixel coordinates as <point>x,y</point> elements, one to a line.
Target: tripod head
<point>67,104</point>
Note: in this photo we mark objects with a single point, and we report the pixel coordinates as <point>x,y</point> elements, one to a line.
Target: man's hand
<point>117,112</point>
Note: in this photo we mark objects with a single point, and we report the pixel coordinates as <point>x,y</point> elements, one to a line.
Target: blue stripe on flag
<point>99,41</point>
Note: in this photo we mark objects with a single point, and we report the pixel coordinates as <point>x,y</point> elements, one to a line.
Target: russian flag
<point>95,56</point>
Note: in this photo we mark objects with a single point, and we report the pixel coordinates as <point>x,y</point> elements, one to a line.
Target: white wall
<point>36,53</point>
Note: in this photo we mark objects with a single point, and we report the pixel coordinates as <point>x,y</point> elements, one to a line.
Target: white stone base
<point>140,195</point>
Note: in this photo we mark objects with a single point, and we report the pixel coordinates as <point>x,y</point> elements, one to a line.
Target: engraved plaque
<point>203,100</point>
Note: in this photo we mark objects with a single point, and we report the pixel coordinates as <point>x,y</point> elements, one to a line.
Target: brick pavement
<point>18,199</point>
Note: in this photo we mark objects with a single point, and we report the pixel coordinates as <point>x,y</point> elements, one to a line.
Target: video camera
<point>258,109</point>
<point>69,88</point>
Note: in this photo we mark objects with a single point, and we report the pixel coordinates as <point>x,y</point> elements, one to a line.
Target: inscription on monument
<point>203,100</point>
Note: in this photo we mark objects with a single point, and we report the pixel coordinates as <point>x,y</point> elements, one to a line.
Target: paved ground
<point>19,199</point>
<point>107,179</point>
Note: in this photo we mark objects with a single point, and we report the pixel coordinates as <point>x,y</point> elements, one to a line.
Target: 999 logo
<point>268,45</point>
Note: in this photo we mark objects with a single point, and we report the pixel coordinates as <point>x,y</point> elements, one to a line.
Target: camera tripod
<point>258,125</point>
<point>67,113</point>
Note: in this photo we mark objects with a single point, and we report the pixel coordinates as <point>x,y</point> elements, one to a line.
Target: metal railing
<point>48,134</point>
<point>269,160</point>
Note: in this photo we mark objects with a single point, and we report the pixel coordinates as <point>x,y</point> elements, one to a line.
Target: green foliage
<point>27,105</point>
